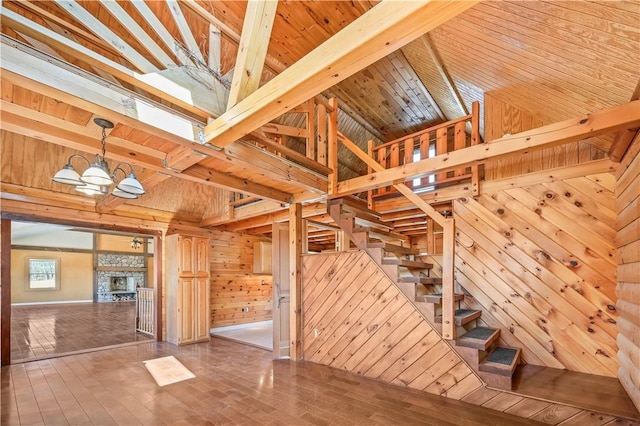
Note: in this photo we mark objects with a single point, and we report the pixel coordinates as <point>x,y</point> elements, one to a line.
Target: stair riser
<point>497,381</point>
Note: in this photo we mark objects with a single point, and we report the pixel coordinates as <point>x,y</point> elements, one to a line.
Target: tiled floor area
<point>44,330</point>
<point>259,334</point>
<point>234,384</point>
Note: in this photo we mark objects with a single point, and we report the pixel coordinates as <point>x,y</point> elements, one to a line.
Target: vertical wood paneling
<point>542,265</point>
<point>233,283</point>
<point>502,118</point>
<point>357,320</point>
<point>628,257</point>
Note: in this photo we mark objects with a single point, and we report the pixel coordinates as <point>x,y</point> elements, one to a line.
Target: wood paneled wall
<point>628,256</point>
<point>233,283</point>
<point>357,320</point>
<point>541,262</point>
<point>502,118</point>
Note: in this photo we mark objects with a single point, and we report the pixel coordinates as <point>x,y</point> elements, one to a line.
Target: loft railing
<point>437,140</point>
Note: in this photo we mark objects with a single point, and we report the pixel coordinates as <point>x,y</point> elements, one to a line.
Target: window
<point>417,183</point>
<point>43,273</point>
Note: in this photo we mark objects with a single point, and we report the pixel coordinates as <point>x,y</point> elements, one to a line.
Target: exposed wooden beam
<point>383,29</point>
<point>215,40</point>
<point>137,32</point>
<point>154,84</point>
<point>183,27</point>
<point>122,106</point>
<point>623,140</point>
<point>98,28</point>
<point>31,123</point>
<point>448,81</point>
<point>280,216</point>
<point>252,50</point>
<point>594,124</point>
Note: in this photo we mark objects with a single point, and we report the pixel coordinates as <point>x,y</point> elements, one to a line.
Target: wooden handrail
<point>421,132</point>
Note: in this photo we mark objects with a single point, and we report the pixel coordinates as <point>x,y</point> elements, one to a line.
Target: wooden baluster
<point>394,159</point>
<point>332,139</point>
<point>448,285</point>
<point>441,148</point>
<point>382,159</point>
<point>408,156</point>
<point>310,127</point>
<point>370,202</point>
<point>460,142</point>
<point>475,140</point>
<point>424,153</point>
<point>321,144</point>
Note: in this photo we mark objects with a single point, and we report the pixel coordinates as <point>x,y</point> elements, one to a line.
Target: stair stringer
<point>376,340</point>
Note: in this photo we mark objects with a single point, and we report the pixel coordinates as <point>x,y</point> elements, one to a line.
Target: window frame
<point>56,273</point>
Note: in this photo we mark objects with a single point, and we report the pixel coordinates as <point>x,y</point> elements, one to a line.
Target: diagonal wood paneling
<point>541,263</point>
<point>357,320</point>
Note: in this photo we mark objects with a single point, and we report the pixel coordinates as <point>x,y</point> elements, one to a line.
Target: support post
<point>295,283</point>
<point>5,292</point>
<point>370,145</point>
<point>332,139</point>
<point>448,286</point>
<point>475,140</point>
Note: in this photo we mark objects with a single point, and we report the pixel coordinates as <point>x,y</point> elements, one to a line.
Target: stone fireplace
<point>118,277</point>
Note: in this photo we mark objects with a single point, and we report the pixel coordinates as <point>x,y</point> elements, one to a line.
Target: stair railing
<point>448,301</point>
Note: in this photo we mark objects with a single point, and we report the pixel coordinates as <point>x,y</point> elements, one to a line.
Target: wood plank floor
<point>598,393</point>
<point>234,384</point>
<point>40,331</point>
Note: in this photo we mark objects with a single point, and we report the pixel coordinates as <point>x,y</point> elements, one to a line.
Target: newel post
<point>448,281</point>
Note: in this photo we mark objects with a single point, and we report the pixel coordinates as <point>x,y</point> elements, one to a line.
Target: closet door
<point>186,310</point>
<point>202,313</point>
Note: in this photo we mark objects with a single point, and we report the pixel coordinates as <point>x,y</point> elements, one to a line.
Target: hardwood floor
<point>234,384</point>
<point>39,331</point>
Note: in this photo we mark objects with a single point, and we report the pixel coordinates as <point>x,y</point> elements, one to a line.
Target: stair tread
<point>380,234</point>
<point>480,338</point>
<point>437,297</point>
<point>502,360</point>
<point>392,248</point>
<point>420,280</point>
<point>406,263</point>
<point>462,316</point>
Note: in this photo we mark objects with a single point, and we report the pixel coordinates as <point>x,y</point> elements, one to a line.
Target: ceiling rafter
<point>150,83</point>
<point>252,49</point>
<point>380,31</point>
<point>101,30</point>
<point>166,37</point>
<point>185,31</point>
<point>137,32</point>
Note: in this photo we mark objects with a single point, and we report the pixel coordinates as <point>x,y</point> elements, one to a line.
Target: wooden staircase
<point>478,346</point>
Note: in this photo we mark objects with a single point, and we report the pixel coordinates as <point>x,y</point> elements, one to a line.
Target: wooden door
<point>281,300</point>
<point>186,251</point>
<point>186,310</point>
<point>201,305</point>
<point>201,247</point>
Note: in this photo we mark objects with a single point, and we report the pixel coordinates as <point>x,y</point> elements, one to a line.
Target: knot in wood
<point>501,211</point>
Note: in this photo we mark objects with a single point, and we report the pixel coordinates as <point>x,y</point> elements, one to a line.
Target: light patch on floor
<point>259,335</point>
<point>167,370</point>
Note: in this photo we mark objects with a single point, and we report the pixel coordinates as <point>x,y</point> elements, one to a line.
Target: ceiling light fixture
<point>135,243</point>
<point>97,179</point>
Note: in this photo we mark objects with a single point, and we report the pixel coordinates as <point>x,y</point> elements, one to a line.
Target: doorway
<point>63,298</point>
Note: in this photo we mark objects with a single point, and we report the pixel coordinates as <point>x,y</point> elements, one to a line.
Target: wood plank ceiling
<point>552,59</point>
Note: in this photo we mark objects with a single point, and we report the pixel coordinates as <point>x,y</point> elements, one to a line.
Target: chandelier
<point>136,243</point>
<point>97,179</point>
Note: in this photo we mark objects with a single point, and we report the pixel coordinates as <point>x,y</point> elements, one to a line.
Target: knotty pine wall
<point>357,320</point>
<point>628,256</point>
<point>233,283</point>
<point>502,118</point>
<point>541,263</point>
